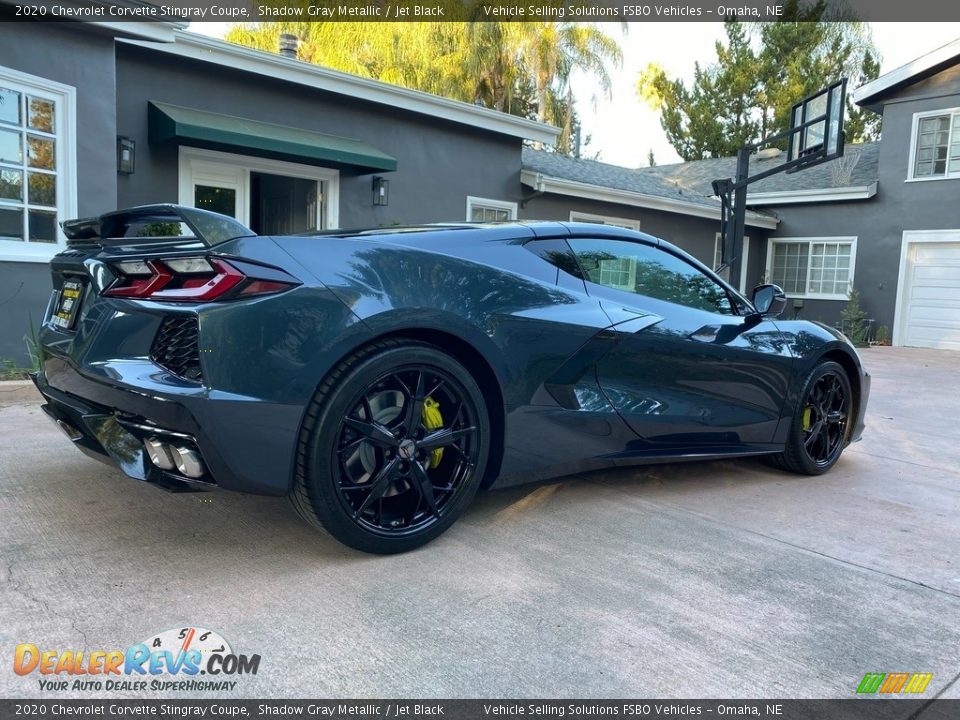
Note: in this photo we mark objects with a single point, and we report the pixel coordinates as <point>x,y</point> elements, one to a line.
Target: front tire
<point>820,427</point>
<point>393,447</point>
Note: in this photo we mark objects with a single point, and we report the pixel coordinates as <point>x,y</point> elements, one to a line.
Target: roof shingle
<point>692,181</point>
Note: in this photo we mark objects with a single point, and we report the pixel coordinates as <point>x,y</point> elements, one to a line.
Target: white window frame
<point>65,123</point>
<point>852,240</point>
<point>743,263</point>
<point>233,171</point>
<point>627,223</point>
<point>472,200</point>
<point>630,270</point>
<point>914,138</point>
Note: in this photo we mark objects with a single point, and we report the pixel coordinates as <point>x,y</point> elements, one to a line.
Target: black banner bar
<point>854,709</point>
<point>631,11</point>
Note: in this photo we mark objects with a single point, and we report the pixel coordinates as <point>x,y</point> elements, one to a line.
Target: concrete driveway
<point>723,579</point>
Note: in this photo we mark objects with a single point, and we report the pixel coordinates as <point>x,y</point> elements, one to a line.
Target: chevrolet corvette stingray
<point>380,378</point>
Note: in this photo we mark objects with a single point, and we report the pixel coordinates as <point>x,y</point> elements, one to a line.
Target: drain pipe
<point>289,45</point>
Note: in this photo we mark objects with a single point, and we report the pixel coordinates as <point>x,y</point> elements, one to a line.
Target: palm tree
<point>554,50</point>
<point>515,67</point>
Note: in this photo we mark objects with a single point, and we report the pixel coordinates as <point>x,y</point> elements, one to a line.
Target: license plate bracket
<point>68,305</point>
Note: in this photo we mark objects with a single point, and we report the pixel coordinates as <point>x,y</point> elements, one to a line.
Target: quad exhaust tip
<point>168,456</point>
<point>69,430</point>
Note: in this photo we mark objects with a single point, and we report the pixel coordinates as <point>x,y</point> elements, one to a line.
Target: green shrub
<point>10,371</point>
<point>883,335</point>
<point>853,320</point>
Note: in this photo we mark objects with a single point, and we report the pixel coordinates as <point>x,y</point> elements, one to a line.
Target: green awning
<point>207,129</point>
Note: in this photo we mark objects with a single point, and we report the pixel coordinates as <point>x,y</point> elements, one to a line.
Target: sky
<point>623,129</point>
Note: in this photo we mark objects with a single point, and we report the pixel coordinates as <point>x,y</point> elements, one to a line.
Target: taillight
<point>192,279</point>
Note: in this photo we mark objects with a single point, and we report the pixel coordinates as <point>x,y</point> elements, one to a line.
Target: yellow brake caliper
<point>807,417</point>
<point>432,420</point>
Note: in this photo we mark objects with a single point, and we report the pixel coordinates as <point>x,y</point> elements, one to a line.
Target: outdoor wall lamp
<point>381,191</point>
<point>126,155</point>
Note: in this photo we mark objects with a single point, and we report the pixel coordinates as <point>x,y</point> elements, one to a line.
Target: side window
<point>647,270</point>
<point>557,253</point>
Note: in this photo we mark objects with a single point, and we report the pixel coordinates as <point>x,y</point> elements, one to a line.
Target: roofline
<point>156,31</point>
<point>818,195</point>
<point>198,47</point>
<point>560,186</point>
<point>903,75</point>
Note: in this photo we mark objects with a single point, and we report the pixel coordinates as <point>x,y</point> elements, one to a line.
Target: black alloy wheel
<point>397,450</point>
<point>821,422</point>
<point>824,418</point>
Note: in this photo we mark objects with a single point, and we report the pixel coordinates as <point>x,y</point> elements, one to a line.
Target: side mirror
<point>769,300</point>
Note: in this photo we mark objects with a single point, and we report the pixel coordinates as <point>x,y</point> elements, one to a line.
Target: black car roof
<point>459,232</point>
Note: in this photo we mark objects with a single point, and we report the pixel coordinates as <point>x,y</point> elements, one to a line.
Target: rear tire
<point>820,427</point>
<point>393,447</point>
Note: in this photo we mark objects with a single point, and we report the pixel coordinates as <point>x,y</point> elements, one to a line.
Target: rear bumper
<point>246,445</point>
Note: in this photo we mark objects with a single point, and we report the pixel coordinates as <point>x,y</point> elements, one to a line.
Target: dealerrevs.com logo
<point>171,660</point>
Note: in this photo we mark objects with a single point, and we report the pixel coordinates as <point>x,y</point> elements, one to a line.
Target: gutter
<point>561,186</point>
<point>191,46</point>
<point>796,197</point>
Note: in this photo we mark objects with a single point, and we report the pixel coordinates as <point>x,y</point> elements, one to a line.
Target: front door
<point>268,196</point>
<point>702,376</point>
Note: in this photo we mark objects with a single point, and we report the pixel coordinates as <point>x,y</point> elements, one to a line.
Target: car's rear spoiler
<point>113,228</point>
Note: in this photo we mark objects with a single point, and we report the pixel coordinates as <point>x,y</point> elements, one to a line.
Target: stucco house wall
<point>439,163</point>
<point>85,61</point>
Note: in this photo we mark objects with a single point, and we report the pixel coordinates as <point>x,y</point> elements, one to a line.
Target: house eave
<point>573,188</point>
<point>870,93</point>
<point>197,47</point>
<point>165,32</point>
<point>797,197</point>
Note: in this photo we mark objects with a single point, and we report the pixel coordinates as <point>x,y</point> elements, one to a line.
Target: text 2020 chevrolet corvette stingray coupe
<point>381,378</point>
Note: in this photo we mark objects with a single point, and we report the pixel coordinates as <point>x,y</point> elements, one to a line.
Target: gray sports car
<point>381,378</point>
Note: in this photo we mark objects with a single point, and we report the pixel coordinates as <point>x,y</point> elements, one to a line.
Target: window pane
<point>11,184</point>
<point>42,189</point>
<point>11,224</point>
<point>10,150</point>
<point>790,267</point>
<point>645,270</point>
<point>932,141</point>
<point>40,150</point>
<point>829,268</point>
<point>489,213</point>
<point>40,114</point>
<point>43,226</point>
<point>9,106</point>
<point>215,199</point>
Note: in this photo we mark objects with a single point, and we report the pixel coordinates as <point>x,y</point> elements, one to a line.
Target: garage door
<point>930,308</point>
